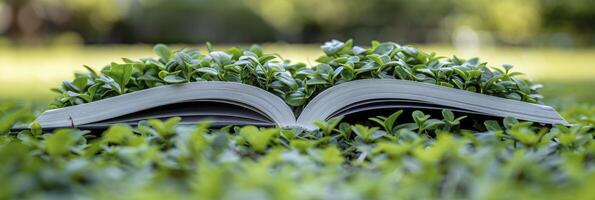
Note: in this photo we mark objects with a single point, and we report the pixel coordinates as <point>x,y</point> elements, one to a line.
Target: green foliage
<point>389,60</point>
<point>428,158</point>
<point>328,126</point>
<point>12,113</point>
<point>59,143</point>
<point>366,134</point>
<point>388,123</point>
<point>121,73</point>
<point>295,83</point>
<point>417,156</point>
<point>258,139</point>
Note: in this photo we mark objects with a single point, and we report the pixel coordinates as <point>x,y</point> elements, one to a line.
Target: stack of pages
<point>228,103</point>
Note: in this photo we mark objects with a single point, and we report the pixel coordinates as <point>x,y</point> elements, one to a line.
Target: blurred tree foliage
<point>513,22</point>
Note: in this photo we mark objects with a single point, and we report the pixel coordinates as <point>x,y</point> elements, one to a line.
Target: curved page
<point>391,104</point>
<point>198,108</point>
<point>269,104</point>
<point>337,97</point>
<point>216,121</point>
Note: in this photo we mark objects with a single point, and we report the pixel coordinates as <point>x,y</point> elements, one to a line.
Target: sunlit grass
<point>29,72</point>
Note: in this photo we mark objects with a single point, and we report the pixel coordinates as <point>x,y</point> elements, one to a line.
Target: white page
<point>337,97</point>
<point>271,105</point>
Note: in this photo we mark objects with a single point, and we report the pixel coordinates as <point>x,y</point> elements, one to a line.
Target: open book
<point>228,103</point>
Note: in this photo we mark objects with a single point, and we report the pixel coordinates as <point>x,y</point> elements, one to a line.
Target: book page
<point>339,98</point>
<point>261,102</point>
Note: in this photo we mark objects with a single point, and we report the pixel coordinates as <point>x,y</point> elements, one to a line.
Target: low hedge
<point>428,158</point>
<point>296,83</point>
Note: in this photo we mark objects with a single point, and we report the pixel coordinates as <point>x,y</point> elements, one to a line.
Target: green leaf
<point>458,83</point>
<point>182,58</point>
<point>301,145</point>
<point>492,125</point>
<point>316,81</point>
<point>432,124</point>
<point>256,49</point>
<point>391,119</point>
<point>420,116</point>
<point>174,79</point>
<point>221,58</point>
<point>445,84</point>
<point>358,50</point>
<point>164,129</point>
<point>296,98</point>
<point>121,73</point>
<point>265,58</point>
<point>328,126</point>
<point>80,83</point>
<point>331,48</point>
<point>507,67</point>
<point>117,134</point>
<point>474,73</point>
<point>388,123</point>
<point>163,52</point>
<point>461,73</point>
<point>59,143</point>
<point>364,132</point>
<point>409,50</point>
<point>36,129</point>
<point>91,71</point>
<point>234,52</point>
<point>448,115</point>
<point>287,80</point>
<point>258,140</point>
<point>208,70</point>
<point>376,59</point>
<point>510,121</point>
<point>324,59</point>
<point>384,48</point>
<point>332,156</point>
<point>209,47</point>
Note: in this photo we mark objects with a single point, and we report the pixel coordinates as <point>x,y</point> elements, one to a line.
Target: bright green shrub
<point>295,83</point>
<point>157,159</point>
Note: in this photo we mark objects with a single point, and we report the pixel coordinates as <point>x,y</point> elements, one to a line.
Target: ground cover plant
<point>295,82</point>
<point>399,156</point>
<point>415,156</point>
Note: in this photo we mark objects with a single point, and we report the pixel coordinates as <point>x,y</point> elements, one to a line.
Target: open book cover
<point>229,103</point>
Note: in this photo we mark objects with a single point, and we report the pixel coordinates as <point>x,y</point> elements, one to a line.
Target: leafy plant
<point>388,123</point>
<point>417,157</point>
<point>389,60</point>
<point>367,134</point>
<point>449,120</point>
<point>258,139</point>
<point>424,123</point>
<point>165,159</point>
<point>295,83</point>
<point>328,126</point>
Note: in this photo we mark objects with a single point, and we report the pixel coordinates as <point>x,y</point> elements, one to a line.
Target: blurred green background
<point>42,42</point>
